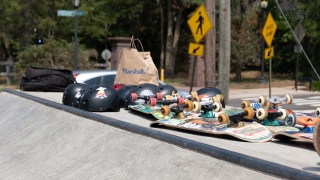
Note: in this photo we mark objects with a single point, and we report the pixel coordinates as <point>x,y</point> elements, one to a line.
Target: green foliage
<point>316,86</point>
<point>54,54</point>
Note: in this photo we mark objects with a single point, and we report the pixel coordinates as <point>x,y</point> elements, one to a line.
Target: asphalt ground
<point>41,138</point>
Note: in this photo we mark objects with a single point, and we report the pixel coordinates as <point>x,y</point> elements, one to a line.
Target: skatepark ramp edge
<point>248,162</point>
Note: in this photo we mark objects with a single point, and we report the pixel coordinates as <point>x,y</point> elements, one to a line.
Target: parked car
<point>105,78</point>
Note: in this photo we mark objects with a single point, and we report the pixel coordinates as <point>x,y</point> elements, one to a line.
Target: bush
<point>56,54</point>
<point>316,86</point>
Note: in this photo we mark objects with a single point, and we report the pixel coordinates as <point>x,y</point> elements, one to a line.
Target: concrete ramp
<point>43,142</point>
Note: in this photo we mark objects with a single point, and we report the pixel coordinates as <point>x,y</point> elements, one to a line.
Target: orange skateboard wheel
<point>134,96</point>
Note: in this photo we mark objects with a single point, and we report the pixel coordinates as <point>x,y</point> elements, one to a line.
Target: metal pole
<point>194,67</point>
<point>76,39</point>
<point>262,79</point>
<point>296,82</point>
<point>270,67</point>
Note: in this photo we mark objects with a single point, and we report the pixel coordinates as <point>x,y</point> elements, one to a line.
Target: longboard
<point>250,132</point>
<point>155,111</point>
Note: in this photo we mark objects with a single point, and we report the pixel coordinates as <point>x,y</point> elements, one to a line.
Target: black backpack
<point>44,79</point>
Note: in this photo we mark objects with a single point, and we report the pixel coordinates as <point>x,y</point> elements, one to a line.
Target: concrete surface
<point>41,142</point>
<point>27,125</point>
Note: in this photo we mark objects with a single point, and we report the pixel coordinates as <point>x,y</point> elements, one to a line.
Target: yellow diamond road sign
<point>269,29</point>
<point>195,49</point>
<point>199,23</point>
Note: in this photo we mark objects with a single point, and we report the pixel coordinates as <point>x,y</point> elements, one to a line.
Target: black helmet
<point>78,96</point>
<point>100,98</point>
<point>70,93</point>
<point>167,90</point>
<point>209,92</point>
<point>123,92</point>
<point>141,90</point>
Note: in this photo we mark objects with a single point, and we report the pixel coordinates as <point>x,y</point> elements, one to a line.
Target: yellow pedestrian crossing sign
<point>195,49</point>
<point>199,23</point>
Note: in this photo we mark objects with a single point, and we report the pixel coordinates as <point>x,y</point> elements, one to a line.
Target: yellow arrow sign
<point>268,52</point>
<point>199,23</point>
<point>195,49</point>
<point>269,29</point>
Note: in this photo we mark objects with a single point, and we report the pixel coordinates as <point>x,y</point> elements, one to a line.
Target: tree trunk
<point>224,48</point>
<point>168,59</point>
<point>162,37</point>
<point>176,38</point>
<point>210,49</point>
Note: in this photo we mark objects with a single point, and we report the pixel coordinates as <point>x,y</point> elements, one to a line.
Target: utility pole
<point>224,48</point>
<point>210,47</point>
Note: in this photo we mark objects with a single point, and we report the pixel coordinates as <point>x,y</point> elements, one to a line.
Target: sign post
<point>268,32</point>
<point>199,24</point>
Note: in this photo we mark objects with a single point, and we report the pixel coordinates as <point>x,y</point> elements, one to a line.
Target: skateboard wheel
<point>196,99</point>
<point>262,114</point>
<point>284,114</point>
<point>223,118</point>
<point>269,105</point>
<point>134,96</point>
<point>250,112</point>
<point>245,104</point>
<point>318,111</point>
<point>262,100</point>
<point>197,107</point>
<point>165,110</point>
<point>159,96</point>
<point>190,105</point>
<point>221,97</point>
<point>153,102</point>
<point>193,94</point>
<point>217,106</point>
<point>180,101</point>
<point>291,120</point>
<point>289,99</point>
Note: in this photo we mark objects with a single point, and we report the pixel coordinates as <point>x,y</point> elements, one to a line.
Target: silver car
<point>105,78</point>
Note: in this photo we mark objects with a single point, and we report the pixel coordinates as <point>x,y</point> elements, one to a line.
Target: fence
<point>9,63</point>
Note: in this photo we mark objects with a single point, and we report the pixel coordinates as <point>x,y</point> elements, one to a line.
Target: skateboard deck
<point>155,111</point>
<point>288,132</point>
<point>250,132</point>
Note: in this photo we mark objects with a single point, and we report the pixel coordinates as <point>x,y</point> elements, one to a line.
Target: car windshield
<point>102,80</point>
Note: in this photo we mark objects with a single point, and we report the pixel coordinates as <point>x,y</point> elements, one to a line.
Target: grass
<point>249,81</point>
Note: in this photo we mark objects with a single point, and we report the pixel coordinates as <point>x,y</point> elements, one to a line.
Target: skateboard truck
<point>135,97</point>
<point>154,101</point>
<point>270,117</point>
<point>178,110</point>
<point>235,119</point>
<point>208,107</point>
<point>275,103</point>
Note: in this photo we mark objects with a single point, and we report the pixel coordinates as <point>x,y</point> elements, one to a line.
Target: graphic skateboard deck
<point>288,132</point>
<point>155,111</point>
<point>250,132</point>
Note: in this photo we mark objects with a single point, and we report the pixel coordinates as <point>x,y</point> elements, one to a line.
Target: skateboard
<point>316,138</point>
<point>219,123</point>
<point>152,105</point>
<point>308,122</point>
<point>274,110</point>
<point>250,132</point>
